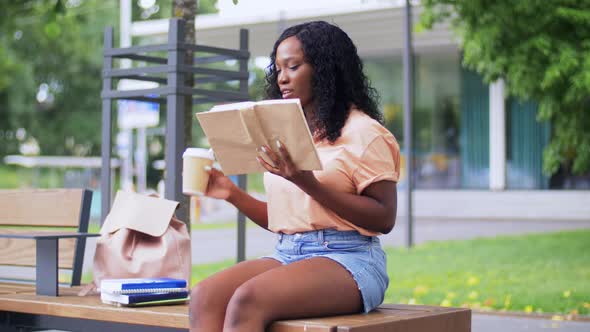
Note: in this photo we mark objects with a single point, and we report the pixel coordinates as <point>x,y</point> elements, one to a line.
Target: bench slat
<point>43,207</point>
<point>21,252</point>
<point>68,304</point>
<point>391,318</point>
<point>388,317</point>
<point>10,288</point>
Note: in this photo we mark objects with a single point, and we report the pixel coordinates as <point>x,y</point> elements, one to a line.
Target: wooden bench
<point>71,312</point>
<point>24,306</point>
<point>46,229</point>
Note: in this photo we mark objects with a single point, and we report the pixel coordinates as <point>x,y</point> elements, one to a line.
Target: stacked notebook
<point>143,291</point>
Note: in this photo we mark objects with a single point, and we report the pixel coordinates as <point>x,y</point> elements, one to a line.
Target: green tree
<point>49,78</point>
<point>542,50</point>
<point>50,69</point>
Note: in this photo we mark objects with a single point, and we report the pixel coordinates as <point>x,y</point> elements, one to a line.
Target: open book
<point>235,131</point>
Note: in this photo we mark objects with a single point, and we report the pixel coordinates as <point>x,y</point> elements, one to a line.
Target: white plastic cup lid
<point>198,152</point>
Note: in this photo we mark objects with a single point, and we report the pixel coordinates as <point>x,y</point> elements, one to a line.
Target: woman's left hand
<point>283,166</point>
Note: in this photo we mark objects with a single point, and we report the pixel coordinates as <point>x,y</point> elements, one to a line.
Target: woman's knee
<point>245,305</point>
<point>204,299</point>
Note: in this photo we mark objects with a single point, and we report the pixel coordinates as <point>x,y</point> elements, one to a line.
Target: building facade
<point>468,136</point>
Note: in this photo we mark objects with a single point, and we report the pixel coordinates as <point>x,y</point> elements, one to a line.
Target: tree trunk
<point>187,10</point>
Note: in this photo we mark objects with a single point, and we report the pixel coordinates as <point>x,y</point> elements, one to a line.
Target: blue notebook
<point>127,299</point>
<point>141,285</point>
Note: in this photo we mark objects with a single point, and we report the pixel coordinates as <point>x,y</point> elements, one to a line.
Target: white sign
<point>137,114</point>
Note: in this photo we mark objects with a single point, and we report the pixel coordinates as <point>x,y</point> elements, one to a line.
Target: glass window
<point>436,114</point>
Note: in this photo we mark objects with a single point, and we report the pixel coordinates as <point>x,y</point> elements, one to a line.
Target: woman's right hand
<point>219,185</point>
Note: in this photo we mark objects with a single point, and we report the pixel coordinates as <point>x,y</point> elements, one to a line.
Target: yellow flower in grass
<point>475,305</point>
<point>472,281</point>
<point>567,294</point>
<point>528,309</point>
<point>420,290</point>
<point>473,295</point>
<point>412,301</point>
<point>446,303</point>
<point>586,305</point>
<point>451,295</point>
<point>507,301</point>
<point>489,302</point>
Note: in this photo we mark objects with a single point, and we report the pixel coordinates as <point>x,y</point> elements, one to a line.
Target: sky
<point>261,7</point>
<point>253,8</point>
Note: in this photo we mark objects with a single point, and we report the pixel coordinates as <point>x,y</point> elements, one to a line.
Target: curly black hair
<point>338,80</point>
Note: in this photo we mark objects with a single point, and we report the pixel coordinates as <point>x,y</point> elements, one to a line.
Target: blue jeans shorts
<point>361,255</point>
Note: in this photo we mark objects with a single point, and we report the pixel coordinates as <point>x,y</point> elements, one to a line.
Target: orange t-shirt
<point>365,153</point>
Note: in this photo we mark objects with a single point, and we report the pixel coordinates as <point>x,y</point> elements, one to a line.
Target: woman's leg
<point>209,298</point>
<point>309,288</point>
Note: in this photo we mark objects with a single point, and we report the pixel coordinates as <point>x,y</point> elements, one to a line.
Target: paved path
<point>497,323</point>
<point>215,245</point>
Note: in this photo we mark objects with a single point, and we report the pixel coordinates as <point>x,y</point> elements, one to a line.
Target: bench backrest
<point>23,211</point>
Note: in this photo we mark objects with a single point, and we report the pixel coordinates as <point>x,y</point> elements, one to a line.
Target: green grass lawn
<point>20,177</point>
<point>540,273</point>
<point>8,177</point>
<point>547,273</point>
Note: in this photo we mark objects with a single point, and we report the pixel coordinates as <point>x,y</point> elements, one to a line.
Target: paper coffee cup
<point>194,176</point>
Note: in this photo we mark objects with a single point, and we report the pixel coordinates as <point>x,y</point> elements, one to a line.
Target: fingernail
<point>264,149</point>
<point>279,145</point>
<point>207,168</point>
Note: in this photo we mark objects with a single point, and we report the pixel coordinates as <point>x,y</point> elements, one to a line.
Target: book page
<point>232,107</point>
<point>235,135</point>
<point>286,122</point>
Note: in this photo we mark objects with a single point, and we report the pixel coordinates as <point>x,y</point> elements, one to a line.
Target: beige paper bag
<point>141,238</point>
<point>235,131</point>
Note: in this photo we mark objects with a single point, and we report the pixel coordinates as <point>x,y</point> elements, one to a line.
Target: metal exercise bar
<point>133,50</point>
<point>170,75</point>
<point>175,117</point>
<point>211,59</point>
<point>81,241</point>
<point>236,54</point>
<point>145,58</point>
<point>162,69</point>
<point>408,106</point>
<point>160,80</point>
<point>236,75</point>
<point>105,171</point>
<point>243,179</point>
<point>219,94</point>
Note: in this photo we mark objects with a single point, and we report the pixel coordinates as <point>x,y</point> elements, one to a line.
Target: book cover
<point>149,303</point>
<point>142,297</point>
<point>114,285</point>
<point>235,131</point>
<point>147,290</point>
<point>160,302</point>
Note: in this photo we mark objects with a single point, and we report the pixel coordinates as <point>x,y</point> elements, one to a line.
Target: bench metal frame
<point>47,248</point>
<point>16,321</point>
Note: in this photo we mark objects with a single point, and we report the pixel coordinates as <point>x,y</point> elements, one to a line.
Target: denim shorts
<point>361,255</point>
